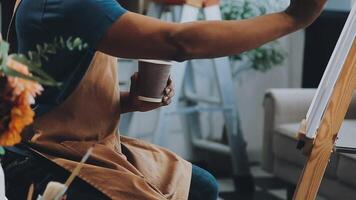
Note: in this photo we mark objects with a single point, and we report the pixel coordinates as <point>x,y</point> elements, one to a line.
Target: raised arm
<point>137,36</point>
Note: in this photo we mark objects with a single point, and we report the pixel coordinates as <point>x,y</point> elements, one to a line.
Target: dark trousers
<point>23,170</point>
<point>203,185</point>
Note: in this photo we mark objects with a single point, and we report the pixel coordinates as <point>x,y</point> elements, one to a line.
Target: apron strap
<point>11,32</point>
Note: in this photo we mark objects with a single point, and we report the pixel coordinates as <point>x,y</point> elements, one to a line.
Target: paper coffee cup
<point>153,76</point>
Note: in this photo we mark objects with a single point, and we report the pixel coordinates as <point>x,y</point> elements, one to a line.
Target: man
<point>85,111</point>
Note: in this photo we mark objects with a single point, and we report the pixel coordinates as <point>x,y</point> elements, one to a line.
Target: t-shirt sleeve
<point>87,19</point>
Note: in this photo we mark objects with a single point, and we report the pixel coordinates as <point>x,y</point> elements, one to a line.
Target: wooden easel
<point>323,144</point>
<point>319,142</point>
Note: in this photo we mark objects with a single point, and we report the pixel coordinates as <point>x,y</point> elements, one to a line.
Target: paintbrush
<point>55,190</point>
<point>31,189</point>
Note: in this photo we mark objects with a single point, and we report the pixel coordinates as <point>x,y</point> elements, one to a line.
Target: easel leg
<point>330,124</point>
<point>313,173</point>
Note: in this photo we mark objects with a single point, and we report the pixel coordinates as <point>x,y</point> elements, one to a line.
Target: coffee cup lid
<point>159,62</point>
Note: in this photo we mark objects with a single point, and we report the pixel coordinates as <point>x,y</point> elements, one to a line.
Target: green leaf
<point>34,69</point>
<point>2,151</point>
<point>34,58</point>
<point>4,50</point>
<point>10,72</point>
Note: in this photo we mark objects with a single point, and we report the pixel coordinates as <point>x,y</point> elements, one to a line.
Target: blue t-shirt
<point>41,21</point>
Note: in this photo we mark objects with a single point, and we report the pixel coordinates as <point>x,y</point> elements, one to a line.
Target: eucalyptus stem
<point>34,59</point>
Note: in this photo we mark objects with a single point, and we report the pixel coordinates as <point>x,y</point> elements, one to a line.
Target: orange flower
<point>21,116</point>
<point>23,94</point>
<point>20,84</point>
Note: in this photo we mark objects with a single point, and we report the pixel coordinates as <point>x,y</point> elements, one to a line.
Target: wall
<point>252,85</point>
<point>339,5</point>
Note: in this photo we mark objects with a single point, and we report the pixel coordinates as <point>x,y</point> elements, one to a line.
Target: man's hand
<point>304,12</point>
<point>137,105</point>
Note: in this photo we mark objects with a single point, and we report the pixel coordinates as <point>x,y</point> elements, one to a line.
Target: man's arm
<point>137,36</point>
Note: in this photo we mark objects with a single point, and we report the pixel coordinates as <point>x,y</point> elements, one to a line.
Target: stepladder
<point>319,133</point>
<point>189,104</point>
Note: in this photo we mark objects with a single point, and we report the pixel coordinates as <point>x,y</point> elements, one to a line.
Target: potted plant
<point>262,58</point>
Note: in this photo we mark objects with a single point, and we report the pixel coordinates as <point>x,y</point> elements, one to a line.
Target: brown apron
<point>120,167</point>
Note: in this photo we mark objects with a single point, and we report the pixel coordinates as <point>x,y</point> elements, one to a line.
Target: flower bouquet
<point>16,96</point>
<point>21,80</point>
